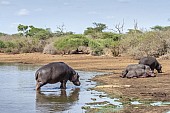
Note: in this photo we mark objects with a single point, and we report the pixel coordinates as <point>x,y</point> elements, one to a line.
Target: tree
<point>157,28</point>
<point>160,28</point>
<point>98,28</point>
<point>23,29</point>
<point>32,31</point>
<point>61,30</point>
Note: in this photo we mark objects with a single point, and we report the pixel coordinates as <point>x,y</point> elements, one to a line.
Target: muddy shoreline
<point>142,89</point>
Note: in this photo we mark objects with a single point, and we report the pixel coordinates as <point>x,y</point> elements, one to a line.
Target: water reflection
<point>56,101</point>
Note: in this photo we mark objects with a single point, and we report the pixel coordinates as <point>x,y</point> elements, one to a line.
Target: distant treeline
<point>95,41</point>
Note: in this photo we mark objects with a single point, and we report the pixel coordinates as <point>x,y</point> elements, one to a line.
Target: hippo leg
<point>152,70</point>
<point>63,84</point>
<point>144,75</point>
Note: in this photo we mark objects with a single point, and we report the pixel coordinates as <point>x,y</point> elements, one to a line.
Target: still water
<point>18,95</point>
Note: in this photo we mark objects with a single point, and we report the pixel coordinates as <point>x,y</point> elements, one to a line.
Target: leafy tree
<point>157,28</point>
<point>32,31</point>
<point>160,28</point>
<point>23,29</point>
<point>98,28</point>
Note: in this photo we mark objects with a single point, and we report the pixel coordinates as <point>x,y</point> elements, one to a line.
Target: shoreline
<point>143,89</point>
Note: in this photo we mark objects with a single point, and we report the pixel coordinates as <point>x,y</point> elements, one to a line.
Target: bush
<point>96,47</point>
<point>49,49</point>
<point>112,36</point>
<point>22,45</point>
<point>2,44</point>
<point>71,42</point>
<point>144,44</point>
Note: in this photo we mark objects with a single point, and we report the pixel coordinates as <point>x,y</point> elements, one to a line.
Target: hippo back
<point>151,62</point>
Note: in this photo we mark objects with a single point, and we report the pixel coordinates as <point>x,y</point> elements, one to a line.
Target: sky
<point>77,15</point>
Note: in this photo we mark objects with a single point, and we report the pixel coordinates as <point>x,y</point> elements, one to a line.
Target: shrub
<point>9,44</point>
<point>144,44</point>
<point>112,36</point>
<point>71,42</point>
<point>49,49</point>
<point>2,44</point>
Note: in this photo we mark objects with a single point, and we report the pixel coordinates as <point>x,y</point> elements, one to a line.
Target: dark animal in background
<point>152,63</point>
<point>56,72</point>
<point>138,71</point>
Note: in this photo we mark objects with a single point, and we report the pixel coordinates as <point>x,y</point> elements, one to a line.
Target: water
<point>17,92</point>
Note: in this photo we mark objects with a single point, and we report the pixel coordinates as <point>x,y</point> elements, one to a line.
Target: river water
<point>18,95</point>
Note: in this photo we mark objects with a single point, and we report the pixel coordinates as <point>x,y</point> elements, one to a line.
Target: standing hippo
<point>56,72</point>
<point>152,63</point>
<point>133,67</point>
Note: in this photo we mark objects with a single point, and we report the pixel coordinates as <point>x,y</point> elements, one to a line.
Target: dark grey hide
<point>137,70</point>
<point>56,72</point>
<point>152,63</point>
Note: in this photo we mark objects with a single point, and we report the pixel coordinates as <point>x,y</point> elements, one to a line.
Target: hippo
<point>56,72</point>
<point>139,73</point>
<point>133,67</point>
<point>152,63</point>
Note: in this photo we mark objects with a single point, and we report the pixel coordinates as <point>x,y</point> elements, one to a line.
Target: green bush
<point>2,44</point>
<point>10,44</point>
<point>71,42</point>
<point>110,35</point>
<point>97,46</point>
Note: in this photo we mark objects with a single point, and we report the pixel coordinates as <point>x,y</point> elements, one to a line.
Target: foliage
<point>145,44</point>
<point>23,29</point>
<point>135,42</point>
<point>2,44</point>
<point>34,32</point>
<point>2,34</point>
<point>98,27</point>
<point>160,28</point>
<point>110,35</point>
<point>70,42</point>
<point>22,45</point>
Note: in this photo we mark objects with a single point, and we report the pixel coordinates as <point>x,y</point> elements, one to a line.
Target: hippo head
<point>75,79</point>
<point>159,68</point>
<point>149,72</point>
<point>124,72</point>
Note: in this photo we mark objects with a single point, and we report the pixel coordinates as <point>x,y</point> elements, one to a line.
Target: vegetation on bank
<point>95,40</point>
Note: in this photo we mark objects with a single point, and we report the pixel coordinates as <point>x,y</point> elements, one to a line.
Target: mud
<point>147,90</point>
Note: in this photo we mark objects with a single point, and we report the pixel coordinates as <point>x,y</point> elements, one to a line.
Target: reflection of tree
<point>20,66</point>
<point>56,102</point>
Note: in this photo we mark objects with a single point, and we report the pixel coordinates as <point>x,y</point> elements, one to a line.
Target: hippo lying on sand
<point>56,72</point>
<point>152,63</point>
<point>137,70</point>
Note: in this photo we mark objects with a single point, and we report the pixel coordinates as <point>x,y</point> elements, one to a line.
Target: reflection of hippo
<point>56,72</point>
<point>56,101</point>
<point>137,70</point>
<point>152,62</point>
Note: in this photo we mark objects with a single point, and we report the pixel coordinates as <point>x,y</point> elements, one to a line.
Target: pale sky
<point>77,15</point>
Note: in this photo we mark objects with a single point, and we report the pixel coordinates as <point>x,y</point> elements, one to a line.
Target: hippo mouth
<point>38,85</point>
<point>160,71</point>
<point>77,83</point>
